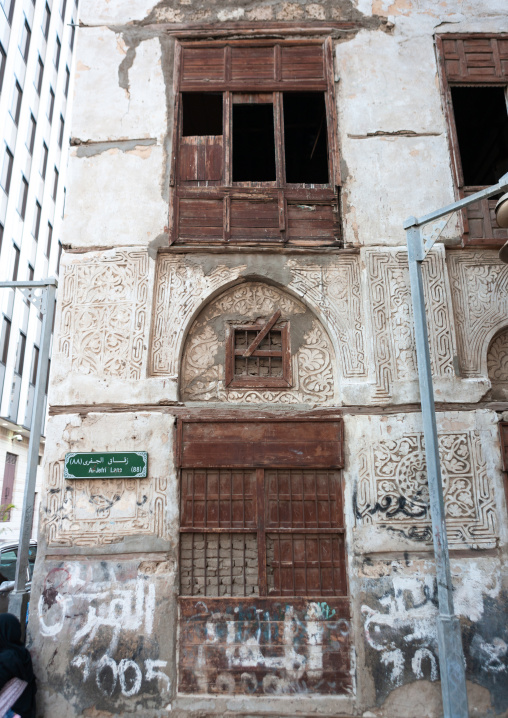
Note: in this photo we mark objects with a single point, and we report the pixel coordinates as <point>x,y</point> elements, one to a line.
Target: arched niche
<point>497,365</point>
<point>204,376</point>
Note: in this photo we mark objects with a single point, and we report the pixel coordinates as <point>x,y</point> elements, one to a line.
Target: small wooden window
<point>474,76</point>
<point>255,152</point>
<point>259,355</point>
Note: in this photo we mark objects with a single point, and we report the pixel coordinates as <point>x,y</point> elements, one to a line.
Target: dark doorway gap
<point>481,119</point>
<point>305,138</point>
<point>202,113</point>
<point>253,143</point>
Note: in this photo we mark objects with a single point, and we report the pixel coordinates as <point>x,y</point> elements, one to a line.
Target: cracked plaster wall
<point>107,563</point>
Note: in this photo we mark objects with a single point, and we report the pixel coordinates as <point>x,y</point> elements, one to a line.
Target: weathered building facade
<point>236,303</point>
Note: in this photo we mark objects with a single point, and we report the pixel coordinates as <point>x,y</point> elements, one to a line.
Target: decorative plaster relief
<point>480,300</point>
<point>204,352</point>
<point>392,317</point>
<point>95,512</point>
<point>497,365</point>
<point>180,289</point>
<point>331,290</point>
<point>104,314</point>
<point>335,290</point>
<point>393,491</point>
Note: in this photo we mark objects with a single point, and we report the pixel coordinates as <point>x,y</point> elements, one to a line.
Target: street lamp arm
<point>501,186</point>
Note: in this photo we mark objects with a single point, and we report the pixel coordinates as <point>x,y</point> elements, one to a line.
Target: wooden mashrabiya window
<point>255,153</point>
<point>261,539</point>
<point>474,77</point>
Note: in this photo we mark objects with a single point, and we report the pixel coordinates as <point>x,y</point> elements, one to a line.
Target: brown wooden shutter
<point>9,475</point>
<point>302,62</point>
<point>255,65</point>
<point>200,219</point>
<point>475,58</point>
<point>481,60</point>
<point>312,443</point>
<point>254,220</point>
<point>202,65</point>
<point>201,159</point>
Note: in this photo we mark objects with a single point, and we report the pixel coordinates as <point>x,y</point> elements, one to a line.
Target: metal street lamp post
<point>451,657</point>
<point>42,295</point>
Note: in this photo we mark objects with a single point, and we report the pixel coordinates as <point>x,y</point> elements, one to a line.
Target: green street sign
<point>109,465</point>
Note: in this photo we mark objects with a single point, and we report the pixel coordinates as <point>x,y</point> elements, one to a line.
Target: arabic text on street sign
<point>109,465</point>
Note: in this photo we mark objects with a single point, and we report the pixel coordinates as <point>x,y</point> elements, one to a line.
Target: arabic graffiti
<point>108,625</point>
<point>265,646</point>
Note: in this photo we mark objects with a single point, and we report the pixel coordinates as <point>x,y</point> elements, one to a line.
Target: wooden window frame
<point>287,203</point>
<point>468,75</point>
<point>272,461</point>
<point>234,381</point>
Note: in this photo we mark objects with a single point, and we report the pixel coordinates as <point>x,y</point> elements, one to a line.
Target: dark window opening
<point>253,143</point>
<point>46,20</point>
<point>38,75</point>
<point>20,357</point>
<point>67,81</point>
<point>50,237</point>
<point>15,268</point>
<point>44,163</point>
<point>305,138</point>
<point>201,113</point>
<point>35,365</point>
<point>481,119</point>
<point>16,103</point>
<point>3,61</point>
<point>4,340</point>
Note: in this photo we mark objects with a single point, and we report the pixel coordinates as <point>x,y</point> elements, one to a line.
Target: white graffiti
<point>107,673</point>
<point>102,615</point>
<point>248,652</point>
<point>120,610</point>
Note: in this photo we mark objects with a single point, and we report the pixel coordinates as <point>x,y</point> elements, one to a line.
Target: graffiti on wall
<point>399,623</point>
<point>264,646</point>
<point>108,627</point>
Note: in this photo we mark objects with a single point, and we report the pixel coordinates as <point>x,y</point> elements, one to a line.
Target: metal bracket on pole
<point>45,304</point>
<point>451,656</point>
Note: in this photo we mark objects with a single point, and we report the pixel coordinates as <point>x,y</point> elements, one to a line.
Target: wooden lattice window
<point>474,76</point>
<point>255,157</point>
<point>265,531</point>
<point>261,553</point>
<point>258,354</point>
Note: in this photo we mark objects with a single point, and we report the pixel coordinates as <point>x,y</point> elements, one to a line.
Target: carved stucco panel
<point>203,359</point>
<point>96,512</point>
<point>479,283</point>
<point>104,314</point>
<point>334,290</point>
<point>392,489</point>
<point>180,289</point>
<point>391,315</point>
